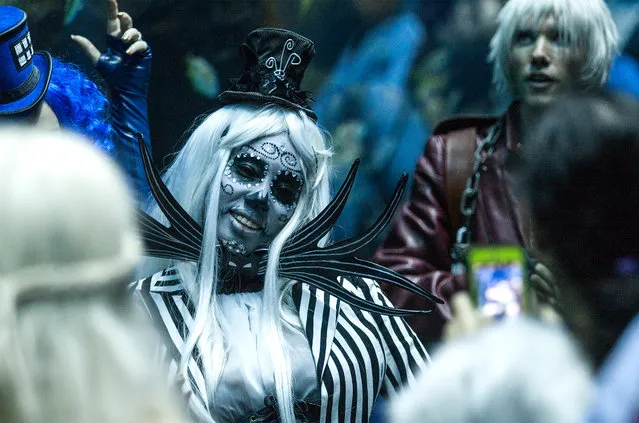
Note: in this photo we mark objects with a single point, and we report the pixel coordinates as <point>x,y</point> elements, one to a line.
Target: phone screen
<point>498,280</point>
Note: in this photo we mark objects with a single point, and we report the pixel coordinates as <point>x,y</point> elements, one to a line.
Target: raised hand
<point>125,66</point>
<point>119,25</point>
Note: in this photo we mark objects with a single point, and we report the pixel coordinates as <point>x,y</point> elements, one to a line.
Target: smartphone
<point>498,279</point>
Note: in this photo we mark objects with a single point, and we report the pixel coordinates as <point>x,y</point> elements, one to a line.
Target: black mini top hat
<point>275,62</point>
<point>24,75</point>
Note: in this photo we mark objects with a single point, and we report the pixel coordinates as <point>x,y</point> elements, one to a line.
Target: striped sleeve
<point>406,356</point>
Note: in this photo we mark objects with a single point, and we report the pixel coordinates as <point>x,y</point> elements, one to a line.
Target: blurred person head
<point>580,178</point>
<point>543,48</point>
<point>71,346</point>
<point>515,371</point>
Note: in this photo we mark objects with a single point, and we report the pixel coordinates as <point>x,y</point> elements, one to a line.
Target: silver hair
<point>517,371</point>
<point>194,178</point>
<point>68,227</point>
<point>586,25</point>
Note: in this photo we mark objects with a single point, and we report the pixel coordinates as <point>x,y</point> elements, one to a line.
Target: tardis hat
<point>24,75</point>
<point>275,61</point>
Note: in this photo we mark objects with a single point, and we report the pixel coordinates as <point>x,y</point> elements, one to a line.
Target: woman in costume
<point>265,319</point>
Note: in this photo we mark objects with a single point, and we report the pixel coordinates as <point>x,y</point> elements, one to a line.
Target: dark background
<point>385,70</point>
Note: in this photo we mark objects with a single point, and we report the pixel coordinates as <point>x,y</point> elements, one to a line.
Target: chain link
<point>468,203</point>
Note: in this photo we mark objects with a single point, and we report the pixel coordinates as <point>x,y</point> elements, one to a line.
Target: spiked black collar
<point>301,258</point>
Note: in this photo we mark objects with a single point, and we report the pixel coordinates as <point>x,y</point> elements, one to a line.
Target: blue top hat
<point>24,75</point>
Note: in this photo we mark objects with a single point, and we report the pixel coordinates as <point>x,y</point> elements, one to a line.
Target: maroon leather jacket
<point>421,238</point>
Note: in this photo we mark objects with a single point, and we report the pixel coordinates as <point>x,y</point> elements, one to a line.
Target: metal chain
<point>468,204</point>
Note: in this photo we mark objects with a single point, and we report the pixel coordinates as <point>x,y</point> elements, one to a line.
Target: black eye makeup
<point>246,168</point>
<point>249,168</point>
<point>287,187</point>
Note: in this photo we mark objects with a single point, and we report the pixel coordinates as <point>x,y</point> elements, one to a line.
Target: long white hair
<point>585,25</point>
<point>195,178</point>
<point>71,341</point>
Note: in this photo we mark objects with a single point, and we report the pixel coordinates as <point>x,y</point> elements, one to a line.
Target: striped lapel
<point>318,313</point>
<point>167,302</point>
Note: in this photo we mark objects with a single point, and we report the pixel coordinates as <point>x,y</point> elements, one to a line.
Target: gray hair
<point>517,371</point>
<point>585,25</point>
<point>73,348</point>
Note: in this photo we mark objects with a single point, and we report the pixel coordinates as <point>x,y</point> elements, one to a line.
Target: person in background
<point>542,48</point>
<point>578,177</point>
<point>579,181</point>
<point>40,90</point>
<point>74,347</point>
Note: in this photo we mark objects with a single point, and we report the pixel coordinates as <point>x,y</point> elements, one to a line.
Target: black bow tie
<point>239,273</point>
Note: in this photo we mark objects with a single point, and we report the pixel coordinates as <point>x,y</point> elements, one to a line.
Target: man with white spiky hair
<point>463,186</point>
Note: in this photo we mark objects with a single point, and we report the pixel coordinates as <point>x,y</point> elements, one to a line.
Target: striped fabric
<point>358,355</point>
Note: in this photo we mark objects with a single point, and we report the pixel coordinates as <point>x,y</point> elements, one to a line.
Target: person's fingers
<point>126,22</point>
<point>552,302</point>
<point>87,46</point>
<point>464,312</point>
<point>541,285</point>
<point>113,23</point>
<point>450,330</point>
<point>544,272</point>
<point>549,315</point>
<point>137,47</point>
<point>131,35</point>
<point>533,300</point>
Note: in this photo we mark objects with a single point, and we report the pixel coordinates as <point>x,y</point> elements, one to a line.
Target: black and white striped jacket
<point>358,355</point>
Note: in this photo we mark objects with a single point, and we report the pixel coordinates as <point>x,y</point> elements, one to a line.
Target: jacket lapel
<point>318,313</point>
<point>168,304</point>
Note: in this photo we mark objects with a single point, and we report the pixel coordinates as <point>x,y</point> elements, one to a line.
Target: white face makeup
<point>260,188</point>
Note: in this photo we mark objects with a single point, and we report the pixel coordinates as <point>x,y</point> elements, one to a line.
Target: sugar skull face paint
<point>261,186</point>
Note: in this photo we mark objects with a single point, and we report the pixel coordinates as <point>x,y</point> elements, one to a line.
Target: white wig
<point>517,371</point>
<point>585,25</point>
<point>63,202</point>
<point>71,342</point>
<point>195,178</point>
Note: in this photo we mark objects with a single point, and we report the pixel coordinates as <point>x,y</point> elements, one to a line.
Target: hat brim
<point>42,61</point>
<point>232,97</point>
